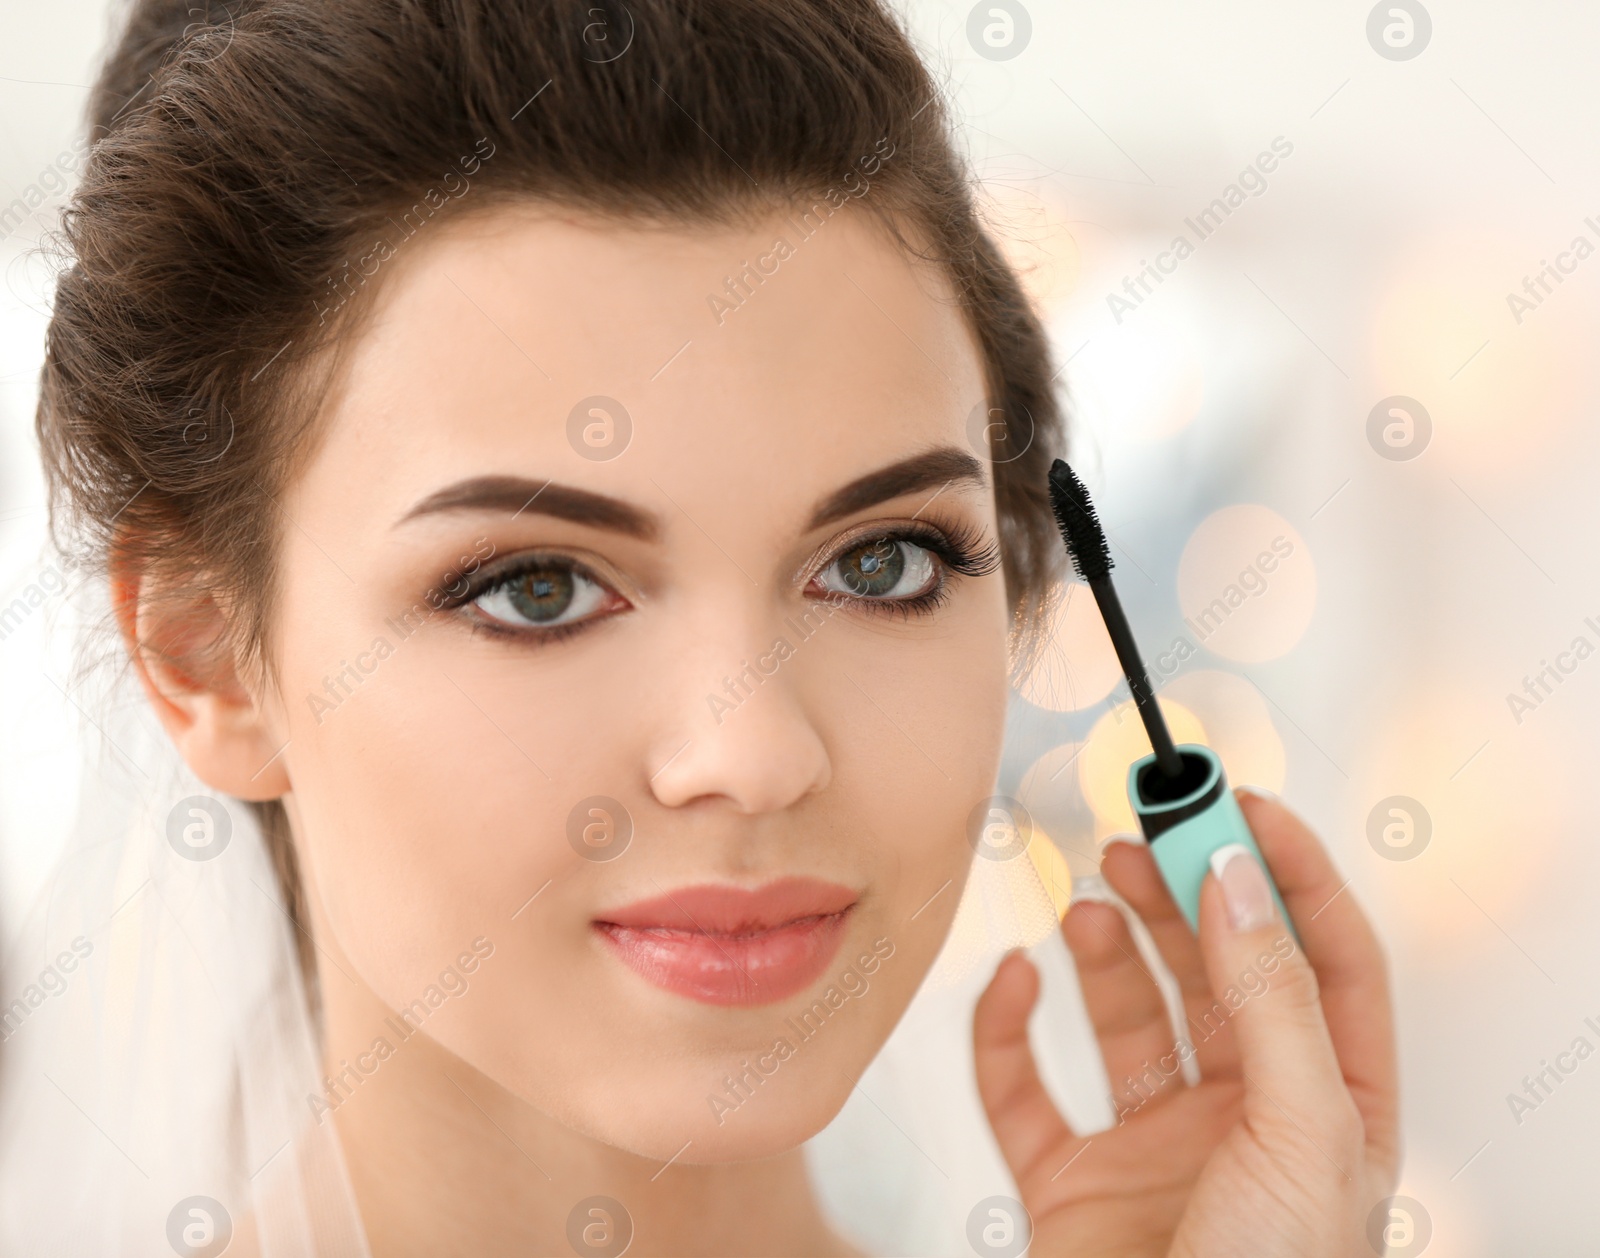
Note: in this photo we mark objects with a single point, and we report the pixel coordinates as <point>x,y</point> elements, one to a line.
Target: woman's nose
<point>740,730</point>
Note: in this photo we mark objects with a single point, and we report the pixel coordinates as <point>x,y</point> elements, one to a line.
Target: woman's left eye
<point>543,596</point>
<point>882,568</point>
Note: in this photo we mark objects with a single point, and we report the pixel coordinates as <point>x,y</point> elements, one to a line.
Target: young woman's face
<point>625,662</point>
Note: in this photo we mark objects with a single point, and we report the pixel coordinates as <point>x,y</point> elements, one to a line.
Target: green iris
<point>873,568</point>
<point>543,594</point>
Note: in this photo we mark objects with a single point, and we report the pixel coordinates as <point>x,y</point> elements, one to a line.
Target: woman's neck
<point>444,1160</point>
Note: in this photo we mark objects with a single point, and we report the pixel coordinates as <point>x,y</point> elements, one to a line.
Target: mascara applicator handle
<point>1181,797</point>
<point>1144,698</point>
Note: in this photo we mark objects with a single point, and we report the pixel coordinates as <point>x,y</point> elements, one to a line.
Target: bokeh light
<point>1247,584</point>
<point>1444,333</point>
<point>1491,848</point>
<point>1238,724</point>
<point>1054,873</point>
<point>1115,742</point>
<point>1144,379</point>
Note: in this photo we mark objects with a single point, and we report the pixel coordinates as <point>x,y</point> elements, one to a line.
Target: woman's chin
<point>696,1138</point>
<point>699,1122</point>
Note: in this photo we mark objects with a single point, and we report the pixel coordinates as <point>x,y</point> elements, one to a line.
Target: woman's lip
<point>731,946</point>
<point>720,909</point>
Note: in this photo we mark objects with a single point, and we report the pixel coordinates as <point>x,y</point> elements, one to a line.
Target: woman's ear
<point>177,643</point>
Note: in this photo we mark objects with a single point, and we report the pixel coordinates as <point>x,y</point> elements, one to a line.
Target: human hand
<point>1290,1137</point>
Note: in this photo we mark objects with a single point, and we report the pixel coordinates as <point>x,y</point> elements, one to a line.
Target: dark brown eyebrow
<point>514,495</point>
<point>931,470</point>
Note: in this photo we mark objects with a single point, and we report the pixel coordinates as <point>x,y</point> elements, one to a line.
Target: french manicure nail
<point>1260,792</point>
<point>1244,888</point>
<point>1133,840</point>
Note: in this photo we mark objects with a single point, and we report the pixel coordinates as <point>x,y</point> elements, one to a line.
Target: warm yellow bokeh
<point>1115,742</point>
<point>1445,334</point>
<point>1500,807</point>
<point>1049,790</point>
<point>1247,584</point>
<point>1051,781</point>
<point>1053,871</point>
<point>1011,903</point>
<point>1238,723</point>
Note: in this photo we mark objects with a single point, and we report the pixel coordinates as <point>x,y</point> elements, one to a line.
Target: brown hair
<point>247,166</point>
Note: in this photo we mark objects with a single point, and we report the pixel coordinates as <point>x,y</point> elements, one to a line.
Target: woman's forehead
<point>610,355</point>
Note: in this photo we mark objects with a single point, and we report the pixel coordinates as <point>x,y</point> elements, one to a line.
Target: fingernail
<point>1244,888</point>
<point>1091,887</point>
<point>1134,840</point>
<point>1260,792</point>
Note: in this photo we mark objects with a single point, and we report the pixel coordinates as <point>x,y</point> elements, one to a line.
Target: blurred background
<point>1322,280</point>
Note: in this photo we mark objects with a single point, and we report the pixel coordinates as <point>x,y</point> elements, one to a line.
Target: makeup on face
<point>904,566</point>
<point>616,635</point>
<point>728,945</point>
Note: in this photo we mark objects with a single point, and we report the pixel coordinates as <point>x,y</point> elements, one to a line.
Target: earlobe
<point>194,688</point>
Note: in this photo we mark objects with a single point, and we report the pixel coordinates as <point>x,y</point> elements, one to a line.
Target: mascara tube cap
<point>1188,817</point>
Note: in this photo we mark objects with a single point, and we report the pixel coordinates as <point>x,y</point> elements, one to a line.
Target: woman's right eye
<point>544,594</point>
<point>882,569</point>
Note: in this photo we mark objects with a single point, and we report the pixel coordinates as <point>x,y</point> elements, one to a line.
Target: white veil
<point>156,1045</point>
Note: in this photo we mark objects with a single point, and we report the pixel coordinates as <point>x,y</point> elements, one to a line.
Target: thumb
<point>1294,1089</point>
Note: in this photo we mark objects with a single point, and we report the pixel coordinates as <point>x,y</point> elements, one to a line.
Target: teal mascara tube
<point>1179,793</point>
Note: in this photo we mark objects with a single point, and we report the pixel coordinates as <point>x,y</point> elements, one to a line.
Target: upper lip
<point>725,909</point>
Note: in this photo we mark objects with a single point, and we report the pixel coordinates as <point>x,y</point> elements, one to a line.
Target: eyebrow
<point>515,495</point>
<point>932,470</point>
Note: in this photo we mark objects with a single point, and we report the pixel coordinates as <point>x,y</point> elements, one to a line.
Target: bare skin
<point>431,791</point>
<point>430,805</point>
<point>1290,1138</point>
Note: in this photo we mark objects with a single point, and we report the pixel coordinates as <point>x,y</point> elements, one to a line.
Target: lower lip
<point>730,969</point>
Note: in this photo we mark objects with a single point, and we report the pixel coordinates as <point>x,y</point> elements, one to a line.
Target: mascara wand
<point>1180,795</point>
<point>1091,557</point>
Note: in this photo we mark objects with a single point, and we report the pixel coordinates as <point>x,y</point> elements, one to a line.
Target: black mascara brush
<point>1180,794</point>
<point>1091,557</point>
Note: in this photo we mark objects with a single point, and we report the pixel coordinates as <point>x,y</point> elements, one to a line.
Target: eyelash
<point>491,580</point>
<point>962,550</point>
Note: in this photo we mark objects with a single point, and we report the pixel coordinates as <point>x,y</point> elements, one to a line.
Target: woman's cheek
<point>421,823</point>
